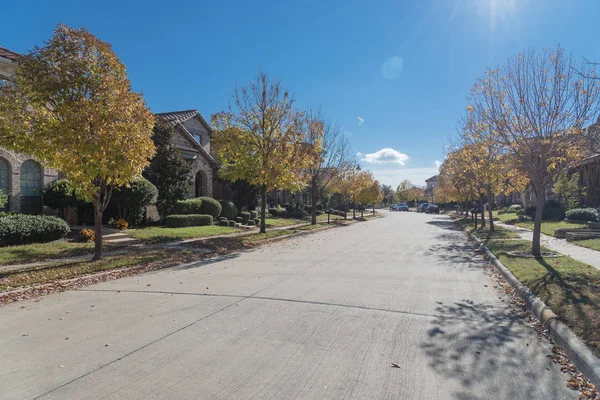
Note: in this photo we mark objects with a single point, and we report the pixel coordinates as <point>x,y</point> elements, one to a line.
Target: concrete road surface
<point>318,317</point>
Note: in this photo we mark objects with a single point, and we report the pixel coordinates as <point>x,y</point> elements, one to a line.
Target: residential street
<point>322,316</point>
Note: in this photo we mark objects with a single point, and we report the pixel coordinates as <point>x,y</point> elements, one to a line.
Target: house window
<point>4,176</point>
<point>31,187</point>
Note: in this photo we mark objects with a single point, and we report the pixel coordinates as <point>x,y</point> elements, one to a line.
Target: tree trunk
<point>263,208</point>
<point>482,211</point>
<point>97,231</point>
<point>313,193</point>
<point>490,211</point>
<point>536,247</point>
<point>353,207</point>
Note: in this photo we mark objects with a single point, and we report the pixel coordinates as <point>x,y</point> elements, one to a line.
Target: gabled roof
<point>432,179</point>
<point>8,54</point>
<point>179,117</point>
<point>176,120</point>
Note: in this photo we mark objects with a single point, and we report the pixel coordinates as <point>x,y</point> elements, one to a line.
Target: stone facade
<point>192,136</point>
<point>15,161</point>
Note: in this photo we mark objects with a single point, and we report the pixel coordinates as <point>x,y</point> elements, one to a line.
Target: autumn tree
<point>369,190</point>
<point>333,158</point>
<point>406,192</point>
<point>72,108</point>
<point>168,171</point>
<point>263,140</point>
<point>538,103</point>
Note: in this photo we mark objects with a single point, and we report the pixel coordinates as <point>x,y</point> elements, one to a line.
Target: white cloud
<point>359,154</point>
<point>360,121</point>
<point>386,156</point>
<point>438,164</point>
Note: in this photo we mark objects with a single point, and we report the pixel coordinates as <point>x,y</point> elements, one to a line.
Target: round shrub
<point>231,223</point>
<point>228,209</point>
<point>515,208</point>
<point>239,220</point>
<point>222,219</point>
<point>60,194</point>
<point>583,214</point>
<point>224,222</point>
<point>87,235</point>
<point>256,221</point>
<point>210,206</point>
<point>251,223</point>
<point>245,216</point>
<point>132,201</point>
<point>253,214</point>
<point>180,220</point>
<point>188,206</point>
<point>23,229</point>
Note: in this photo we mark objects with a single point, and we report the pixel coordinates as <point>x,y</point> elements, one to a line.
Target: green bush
<point>222,219</point>
<point>3,199</point>
<point>228,209</point>
<point>60,194</point>
<point>245,216</point>
<point>256,221</point>
<point>553,210</point>
<point>180,220</point>
<point>251,223</point>
<point>22,229</point>
<point>515,208</point>
<point>239,220</point>
<point>253,214</point>
<point>223,222</point>
<point>188,206</point>
<point>583,214</point>
<point>131,202</point>
<point>231,223</point>
<point>210,206</point>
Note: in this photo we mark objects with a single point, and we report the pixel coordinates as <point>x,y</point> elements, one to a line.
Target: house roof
<point>9,54</point>
<point>176,120</point>
<point>179,117</point>
<point>432,179</point>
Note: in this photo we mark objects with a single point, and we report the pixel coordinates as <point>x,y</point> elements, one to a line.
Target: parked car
<point>402,207</point>
<point>432,209</point>
<point>394,207</point>
<point>422,207</point>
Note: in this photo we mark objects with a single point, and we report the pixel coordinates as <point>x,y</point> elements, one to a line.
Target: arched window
<point>4,179</point>
<point>31,187</point>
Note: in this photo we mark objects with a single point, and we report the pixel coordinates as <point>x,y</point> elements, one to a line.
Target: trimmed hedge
<point>583,214</point>
<point>253,214</point>
<point>515,208</point>
<point>210,206</point>
<point>245,216</point>
<point>188,206</point>
<point>239,220</point>
<point>223,222</point>
<point>179,220</point>
<point>22,229</point>
<point>251,223</point>
<point>231,223</point>
<point>228,209</point>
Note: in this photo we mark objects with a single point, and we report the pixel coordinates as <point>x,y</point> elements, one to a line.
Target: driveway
<point>318,317</point>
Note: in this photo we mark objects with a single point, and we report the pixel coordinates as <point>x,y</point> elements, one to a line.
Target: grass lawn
<point>485,234</point>
<point>282,232</point>
<point>571,288</point>
<point>28,253</point>
<point>57,271</point>
<point>272,222</point>
<point>593,244</point>
<point>159,234</point>
<point>323,218</point>
<point>548,227</point>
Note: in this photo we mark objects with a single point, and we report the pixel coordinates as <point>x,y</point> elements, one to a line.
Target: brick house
<point>21,177</point>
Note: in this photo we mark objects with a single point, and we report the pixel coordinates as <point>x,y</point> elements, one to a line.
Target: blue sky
<point>394,74</point>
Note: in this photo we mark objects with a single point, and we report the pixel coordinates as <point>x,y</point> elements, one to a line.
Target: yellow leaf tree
<point>538,103</point>
<point>369,190</point>
<point>263,140</point>
<point>72,108</point>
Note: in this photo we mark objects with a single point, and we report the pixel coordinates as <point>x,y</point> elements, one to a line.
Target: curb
<point>577,351</point>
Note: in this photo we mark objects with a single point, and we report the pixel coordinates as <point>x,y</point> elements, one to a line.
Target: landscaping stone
<point>561,233</point>
<point>594,225</point>
<point>583,234</point>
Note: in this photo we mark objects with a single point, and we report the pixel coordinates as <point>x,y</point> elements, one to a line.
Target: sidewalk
<point>583,254</point>
<point>175,244</point>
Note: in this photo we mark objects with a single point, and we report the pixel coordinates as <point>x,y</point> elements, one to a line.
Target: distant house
<point>21,177</point>
<point>430,188</point>
<point>192,137</point>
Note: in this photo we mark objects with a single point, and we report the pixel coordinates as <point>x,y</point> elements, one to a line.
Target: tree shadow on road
<point>443,223</point>
<point>486,350</point>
